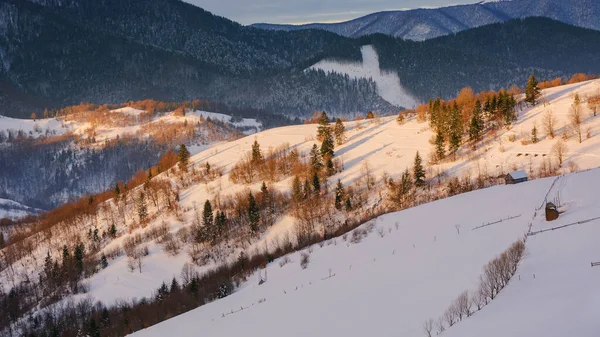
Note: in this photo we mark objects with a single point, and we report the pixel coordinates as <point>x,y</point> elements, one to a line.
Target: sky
<point>306,11</point>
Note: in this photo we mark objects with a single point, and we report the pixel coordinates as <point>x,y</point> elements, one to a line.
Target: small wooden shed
<point>516,177</point>
<point>551,211</point>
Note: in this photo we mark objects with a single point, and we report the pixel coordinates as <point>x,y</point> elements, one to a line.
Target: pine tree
<point>476,123</point>
<point>418,171</point>
<point>117,192</point>
<point>48,268</point>
<point>93,329</point>
<point>323,127</point>
<point>113,230</point>
<point>534,136</point>
<point>207,220</point>
<point>103,261</point>
<point>455,129</point>
<point>348,204</point>
<point>404,188</point>
<point>316,162</point>
<point>253,213</point>
<point>2,240</point>
<point>340,132</point>
<point>532,91</point>
<point>220,224</point>
<point>316,183</point>
<point>257,156</point>
<point>440,148</point>
<point>184,157</point>
<point>78,254</point>
<point>340,193</point>
<point>174,285</point>
<point>142,209</point>
<point>327,145</point>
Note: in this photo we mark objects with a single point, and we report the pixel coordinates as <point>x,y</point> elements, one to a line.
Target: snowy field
<point>398,277</point>
<point>389,86</point>
<point>14,210</point>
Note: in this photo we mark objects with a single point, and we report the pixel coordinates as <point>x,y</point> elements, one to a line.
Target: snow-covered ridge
<point>388,83</point>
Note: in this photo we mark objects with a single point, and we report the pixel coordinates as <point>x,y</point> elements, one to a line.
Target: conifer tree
<point>440,148</point>
<point>340,193</point>
<point>103,261</point>
<point>534,136</point>
<point>142,209</point>
<point>532,91</point>
<point>476,125</point>
<point>257,156</point>
<point>184,157</point>
<point>78,254</point>
<point>315,159</point>
<point>339,131</point>
<point>253,213</point>
<point>418,171</point>
<point>113,230</point>
<point>455,129</point>
<point>174,285</point>
<point>327,145</point>
<point>220,224</point>
<point>207,220</point>
<point>348,204</point>
<point>323,127</point>
<point>117,192</point>
<point>2,240</point>
<point>316,183</point>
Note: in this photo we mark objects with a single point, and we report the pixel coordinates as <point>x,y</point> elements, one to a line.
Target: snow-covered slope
<point>13,210</point>
<point>388,83</point>
<point>414,263</point>
<point>423,24</point>
<point>387,147</point>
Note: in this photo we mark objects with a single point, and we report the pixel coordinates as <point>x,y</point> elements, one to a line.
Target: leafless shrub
<point>428,327</point>
<point>304,260</point>
<point>171,245</point>
<point>284,260</point>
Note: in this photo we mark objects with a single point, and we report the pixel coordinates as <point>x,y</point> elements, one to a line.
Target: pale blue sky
<point>304,11</point>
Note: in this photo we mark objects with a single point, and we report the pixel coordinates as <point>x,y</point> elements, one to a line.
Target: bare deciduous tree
<point>549,123</point>
<point>428,327</point>
<point>559,151</point>
<point>575,116</point>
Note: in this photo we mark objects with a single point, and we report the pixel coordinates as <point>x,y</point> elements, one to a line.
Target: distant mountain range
<point>424,24</point>
<point>61,52</point>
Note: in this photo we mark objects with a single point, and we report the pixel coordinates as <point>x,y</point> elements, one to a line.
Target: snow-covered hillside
<point>13,210</point>
<point>414,263</point>
<point>81,126</point>
<point>387,147</point>
<point>410,266</point>
<point>389,86</point>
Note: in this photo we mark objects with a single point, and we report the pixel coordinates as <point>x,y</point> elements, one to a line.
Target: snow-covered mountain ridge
<point>424,24</point>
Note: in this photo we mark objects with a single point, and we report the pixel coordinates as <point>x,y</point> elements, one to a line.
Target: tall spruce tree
<point>340,194</point>
<point>253,214</point>
<point>296,189</point>
<point>534,134</point>
<point>257,156</point>
<point>316,162</point>
<point>316,184</point>
<point>323,127</point>
<point>476,125</point>
<point>418,171</point>
<point>455,129</point>
<point>532,91</point>
<point>184,157</point>
<point>208,220</point>
<point>440,146</point>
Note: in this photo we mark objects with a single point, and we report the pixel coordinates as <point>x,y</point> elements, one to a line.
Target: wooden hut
<point>551,211</point>
<point>516,177</point>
